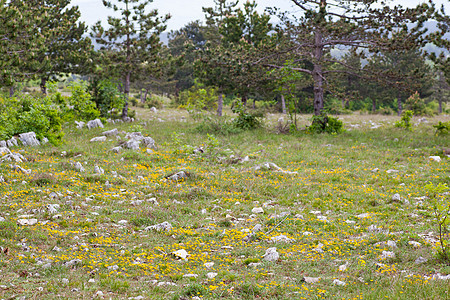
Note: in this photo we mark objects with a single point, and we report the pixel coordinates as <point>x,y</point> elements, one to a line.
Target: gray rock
<point>98,139</point>
<point>281,239</point>
<point>3,144</point>
<point>21,170</point>
<point>311,279</point>
<point>94,124</point>
<point>12,142</point>
<point>338,282</point>
<point>2,219</point>
<point>112,132</point>
<point>98,170</point>
<point>132,144</point>
<point>53,208</point>
<point>29,139</point>
<point>72,263</point>
<point>128,120</point>
<point>137,136</point>
<point>396,198</point>
<point>166,226</point>
<point>80,124</point>
<point>79,167</point>
<point>177,176</point>
<point>153,109</point>
<point>257,228</point>
<point>421,260</point>
<point>2,179</point>
<point>387,254</point>
<point>4,150</point>
<point>271,254</point>
<point>44,141</point>
<point>116,149</point>
<point>149,143</point>
<point>16,157</point>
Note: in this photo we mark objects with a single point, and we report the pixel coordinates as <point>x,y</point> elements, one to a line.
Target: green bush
<point>325,124</point>
<point>27,113</point>
<point>386,111</point>
<point>80,104</point>
<point>198,98</point>
<point>246,120</point>
<point>442,128</point>
<point>107,97</point>
<point>154,101</point>
<point>405,121</point>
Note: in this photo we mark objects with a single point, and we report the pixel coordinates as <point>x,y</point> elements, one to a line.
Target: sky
<point>184,11</point>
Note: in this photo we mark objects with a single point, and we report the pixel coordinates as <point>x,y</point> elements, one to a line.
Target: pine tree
<point>360,25</point>
<point>131,39</point>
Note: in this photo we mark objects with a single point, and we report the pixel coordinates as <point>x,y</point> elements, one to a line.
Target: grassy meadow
<point>345,234</point>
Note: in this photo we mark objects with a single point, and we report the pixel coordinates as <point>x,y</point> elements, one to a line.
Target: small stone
<point>363,216</point>
<point>343,267</point>
<point>338,282</point>
<point>94,124</point>
<point>65,280</point>
<point>436,158</point>
<point>391,171</point>
<point>166,226</point>
<point>92,280</point>
<point>257,228</point>
<point>98,170</point>
<point>271,254</point>
<point>257,210</point>
<point>112,132</point>
<point>387,254</point>
<point>211,275</point>
<point>98,294</point>
<point>391,244</point>
<point>209,265</point>
<point>116,149</point>
<point>420,260</point>
<point>415,244</point>
<point>396,198</point>
<point>190,276</point>
<point>181,254</point>
<point>311,279</point>
<point>98,139</point>
<point>122,222</point>
<point>79,167</point>
<point>375,170</point>
<point>27,222</point>
<point>281,239</point>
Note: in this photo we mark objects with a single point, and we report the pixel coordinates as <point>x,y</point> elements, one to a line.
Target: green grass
<point>334,176</point>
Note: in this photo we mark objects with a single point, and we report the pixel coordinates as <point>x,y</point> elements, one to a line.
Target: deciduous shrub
<point>27,113</point>
<point>405,121</point>
<point>325,124</point>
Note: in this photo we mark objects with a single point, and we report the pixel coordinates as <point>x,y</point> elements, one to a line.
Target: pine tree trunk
<point>441,90</point>
<point>127,95</point>
<point>374,105</point>
<point>318,74</point>
<point>43,85</point>
<point>220,105</point>
<point>244,100</point>
<point>283,104</point>
<point>399,105</point>
<point>254,103</point>
<point>145,95</point>
<point>11,91</point>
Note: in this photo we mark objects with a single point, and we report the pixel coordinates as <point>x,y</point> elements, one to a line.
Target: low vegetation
<point>360,213</point>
